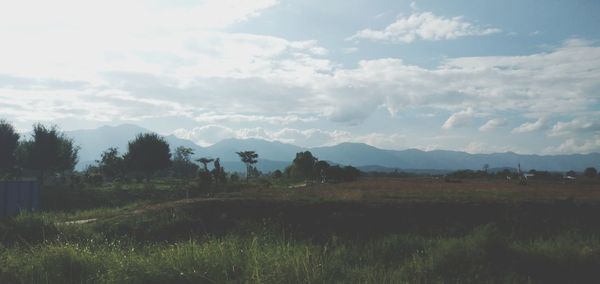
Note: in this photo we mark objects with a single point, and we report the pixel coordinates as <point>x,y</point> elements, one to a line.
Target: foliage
<point>486,254</point>
<point>249,158</point>
<point>48,151</point>
<point>111,164</point>
<point>9,141</point>
<point>234,177</point>
<point>347,173</point>
<point>205,161</point>
<point>320,170</point>
<point>277,174</point>
<point>148,153</point>
<point>303,165</point>
<point>182,166</point>
<point>218,172</point>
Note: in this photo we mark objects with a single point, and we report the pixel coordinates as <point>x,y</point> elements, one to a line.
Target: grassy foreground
<point>484,255</point>
<point>406,231</point>
<point>42,248</point>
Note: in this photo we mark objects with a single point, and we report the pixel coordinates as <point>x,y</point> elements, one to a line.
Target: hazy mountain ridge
<point>277,155</point>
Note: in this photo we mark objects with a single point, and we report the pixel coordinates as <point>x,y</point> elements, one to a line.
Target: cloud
<point>312,137</point>
<point>526,127</point>
<point>151,14</point>
<point>424,26</point>
<point>212,118</point>
<point>574,145</point>
<point>459,119</point>
<point>205,135</point>
<point>577,125</point>
<point>204,73</point>
<point>493,124</point>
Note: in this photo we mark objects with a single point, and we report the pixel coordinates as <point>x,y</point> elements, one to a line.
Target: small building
<point>18,196</point>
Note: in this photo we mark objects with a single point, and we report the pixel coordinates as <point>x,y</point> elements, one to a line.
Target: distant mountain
<point>277,155</point>
<point>275,151</point>
<point>94,141</point>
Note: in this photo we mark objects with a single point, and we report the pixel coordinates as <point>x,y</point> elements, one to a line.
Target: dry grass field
<point>434,189</point>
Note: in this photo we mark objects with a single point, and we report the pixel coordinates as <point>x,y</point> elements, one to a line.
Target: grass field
<point>415,230</point>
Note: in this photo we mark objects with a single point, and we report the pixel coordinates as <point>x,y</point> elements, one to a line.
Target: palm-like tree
<point>204,161</point>
<point>248,158</point>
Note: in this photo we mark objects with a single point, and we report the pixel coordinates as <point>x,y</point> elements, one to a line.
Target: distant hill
<point>276,155</point>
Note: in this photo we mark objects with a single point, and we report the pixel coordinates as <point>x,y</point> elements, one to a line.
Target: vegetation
<point>190,224</point>
<point>249,158</point>
<point>48,151</point>
<point>9,141</point>
<point>148,153</point>
<point>182,165</point>
<point>183,243</point>
<point>111,164</point>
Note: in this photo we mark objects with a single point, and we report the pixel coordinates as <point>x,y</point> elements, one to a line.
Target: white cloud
<point>484,148</point>
<point>206,135</point>
<point>312,137</point>
<point>276,81</point>
<point>212,118</point>
<point>577,125</point>
<point>153,67</point>
<point>493,124</point>
<point>526,127</point>
<point>459,119</point>
<point>574,145</point>
<point>424,26</point>
<point>413,6</point>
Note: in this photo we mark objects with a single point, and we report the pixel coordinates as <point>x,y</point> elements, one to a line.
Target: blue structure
<point>18,196</point>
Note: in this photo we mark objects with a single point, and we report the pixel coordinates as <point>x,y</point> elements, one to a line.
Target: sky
<point>474,76</point>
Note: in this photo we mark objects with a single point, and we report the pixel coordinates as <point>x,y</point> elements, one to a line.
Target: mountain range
<point>276,155</point>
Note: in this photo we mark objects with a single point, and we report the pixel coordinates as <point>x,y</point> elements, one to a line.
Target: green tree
<point>205,161</point>
<point>249,158</point>
<point>182,165</point>
<point>218,172</point>
<point>148,153</point>
<point>277,174</point>
<point>49,150</point>
<point>590,172</point>
<point>9,141</point>
<point>111,164</point>
<point>303,165</point>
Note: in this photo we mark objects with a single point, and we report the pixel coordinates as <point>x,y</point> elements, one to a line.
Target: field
<point>375,230</point>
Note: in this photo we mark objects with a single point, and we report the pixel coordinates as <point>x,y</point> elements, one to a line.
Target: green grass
<point>134,240</point>
<point>485,255</point>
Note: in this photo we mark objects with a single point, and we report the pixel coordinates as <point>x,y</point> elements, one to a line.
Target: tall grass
<point>485,255</point>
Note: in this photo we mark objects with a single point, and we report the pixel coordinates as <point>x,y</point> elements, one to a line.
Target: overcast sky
<point>475,76</point>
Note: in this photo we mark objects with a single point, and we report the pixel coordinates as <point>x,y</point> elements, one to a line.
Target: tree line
<point>49,151</point>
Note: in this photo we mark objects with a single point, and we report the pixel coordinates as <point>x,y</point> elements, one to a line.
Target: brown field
<point>433,189</point>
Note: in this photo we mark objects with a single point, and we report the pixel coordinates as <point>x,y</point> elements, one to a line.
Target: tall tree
<point>9,141</point>
<point>49,150</point>
<point>303,165</point>
<point>148,153</point>
<point>249,158</point>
